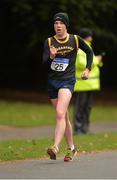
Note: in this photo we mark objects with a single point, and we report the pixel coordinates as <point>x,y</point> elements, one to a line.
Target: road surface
<point>101,165</point>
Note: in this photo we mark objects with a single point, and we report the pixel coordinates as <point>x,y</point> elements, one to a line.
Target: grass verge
<point>28,149</point>
<point>21,114</point>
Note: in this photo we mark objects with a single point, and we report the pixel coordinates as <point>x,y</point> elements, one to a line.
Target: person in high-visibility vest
<point>84,89</point>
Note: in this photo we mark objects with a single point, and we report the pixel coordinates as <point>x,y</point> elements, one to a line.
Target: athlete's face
<point>60,28</point>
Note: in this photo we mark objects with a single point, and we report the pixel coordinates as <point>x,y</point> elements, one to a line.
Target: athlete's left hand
<point>85,74</point>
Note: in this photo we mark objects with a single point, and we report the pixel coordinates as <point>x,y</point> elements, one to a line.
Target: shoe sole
<point>51,154</point>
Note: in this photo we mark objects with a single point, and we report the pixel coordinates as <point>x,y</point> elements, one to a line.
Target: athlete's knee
<point>60,114</point>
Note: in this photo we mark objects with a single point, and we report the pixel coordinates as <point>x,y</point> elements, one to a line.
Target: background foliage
<point>25,24</point>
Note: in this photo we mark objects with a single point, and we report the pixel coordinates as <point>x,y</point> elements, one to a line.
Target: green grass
<point>104,114</point>
<point>23,114</point>
<point>27,149</point>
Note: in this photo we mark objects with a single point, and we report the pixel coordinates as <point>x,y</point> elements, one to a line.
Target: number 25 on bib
<point>59,64</point>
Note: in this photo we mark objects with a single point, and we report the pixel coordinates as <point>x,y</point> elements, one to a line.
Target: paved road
<point>101,165</point>
<point>7,132</point>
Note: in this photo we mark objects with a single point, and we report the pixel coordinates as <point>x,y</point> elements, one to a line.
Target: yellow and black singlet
<point>63,65</point>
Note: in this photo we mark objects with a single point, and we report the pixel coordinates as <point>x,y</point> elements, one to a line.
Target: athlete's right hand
<point>53,52</point>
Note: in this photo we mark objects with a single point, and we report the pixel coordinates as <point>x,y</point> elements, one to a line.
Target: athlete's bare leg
<point>61,105</point>
<point>68,132</point>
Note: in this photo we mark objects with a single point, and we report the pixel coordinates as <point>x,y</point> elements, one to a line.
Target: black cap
<point>85,32</point>
<point>62,17</point>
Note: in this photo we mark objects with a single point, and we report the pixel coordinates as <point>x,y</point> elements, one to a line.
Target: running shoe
<point>70,154</point>
<point>52,151</point>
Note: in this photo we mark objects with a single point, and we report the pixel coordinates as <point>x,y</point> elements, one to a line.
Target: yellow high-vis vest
<point>93,82</point>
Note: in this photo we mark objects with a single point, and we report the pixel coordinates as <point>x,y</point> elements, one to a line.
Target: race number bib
<point>59,64</point>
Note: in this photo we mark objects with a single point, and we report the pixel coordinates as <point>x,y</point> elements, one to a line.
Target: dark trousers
<point>82,108</point>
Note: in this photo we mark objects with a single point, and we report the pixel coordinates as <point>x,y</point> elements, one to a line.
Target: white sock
<point>72,147</point>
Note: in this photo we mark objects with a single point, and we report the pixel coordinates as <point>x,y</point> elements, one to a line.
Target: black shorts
<point>55,85</point>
